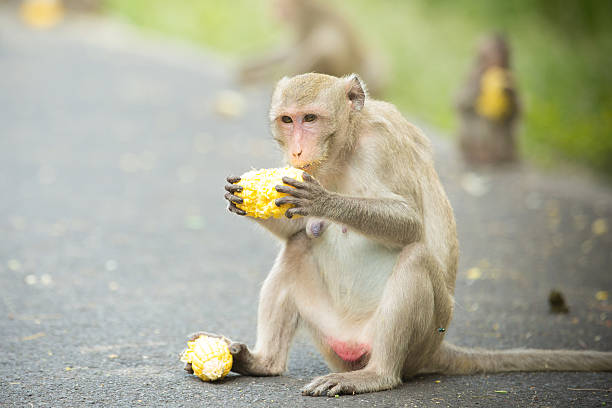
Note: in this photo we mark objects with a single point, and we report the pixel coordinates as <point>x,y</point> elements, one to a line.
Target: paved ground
<point>115,242</point>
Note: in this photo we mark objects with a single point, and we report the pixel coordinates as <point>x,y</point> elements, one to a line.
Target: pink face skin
<point>301,130</point>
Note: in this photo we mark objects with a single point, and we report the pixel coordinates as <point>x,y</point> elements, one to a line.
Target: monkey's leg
<point>404,328</point>
<point>264,67</point>
<point>277,319</point>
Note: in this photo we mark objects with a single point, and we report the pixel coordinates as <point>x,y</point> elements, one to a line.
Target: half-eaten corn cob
<point>258,191</point>
<point>210,357</point>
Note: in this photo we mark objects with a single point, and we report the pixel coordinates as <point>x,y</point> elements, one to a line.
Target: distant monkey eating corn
<point>325,42</point>
<point>488,106</point>
<point>369,267</point>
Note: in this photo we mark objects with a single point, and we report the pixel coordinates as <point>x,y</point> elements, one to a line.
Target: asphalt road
<point>115,242</point>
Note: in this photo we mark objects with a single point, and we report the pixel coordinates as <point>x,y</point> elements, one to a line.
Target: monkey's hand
<point>307,197</point>
<point>243,359</point>
<point>232,188</point>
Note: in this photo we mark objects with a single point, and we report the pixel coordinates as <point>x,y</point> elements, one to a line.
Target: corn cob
<point>493,103</point>
<point>210,357</point>
<point>258,191</point>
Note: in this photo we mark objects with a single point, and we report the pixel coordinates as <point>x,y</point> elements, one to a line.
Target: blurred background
<point>120,119</point>
<point>562,54</point>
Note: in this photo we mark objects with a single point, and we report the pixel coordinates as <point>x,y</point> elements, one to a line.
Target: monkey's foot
<point>354,382</point>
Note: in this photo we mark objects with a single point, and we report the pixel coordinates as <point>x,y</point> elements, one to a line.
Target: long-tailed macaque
<point>488,106</point>
<point>369,266</point>
<point>324,42</point>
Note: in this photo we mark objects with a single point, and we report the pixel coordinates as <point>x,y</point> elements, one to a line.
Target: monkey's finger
<point>233,188</point>
<point>195,335</point>
<point>313,387</point>
<point>233,179</point>
<point>335,390</point>
<point>293,182</point>
<point>296,211</point>
<point>233,199</point>
<point>340,389</point>
<point>188,368</point>
<point>308,178</point>
<point>323,388</point>
<point>292,191</point>
<point>289,200</point>
<point>232,208</point>
<point>237,348</point>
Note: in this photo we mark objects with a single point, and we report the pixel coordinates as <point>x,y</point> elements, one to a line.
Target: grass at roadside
<point>563,71</point>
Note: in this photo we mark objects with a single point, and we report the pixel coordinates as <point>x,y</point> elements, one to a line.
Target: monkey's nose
<point>298,154</point>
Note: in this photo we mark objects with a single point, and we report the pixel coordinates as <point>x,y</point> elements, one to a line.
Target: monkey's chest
<point>353,268</point>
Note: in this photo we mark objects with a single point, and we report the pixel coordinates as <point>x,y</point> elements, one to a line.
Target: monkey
<point>369,250</point>
<point>324,42</point>
<point>488,106</point>
<point>83,5</point>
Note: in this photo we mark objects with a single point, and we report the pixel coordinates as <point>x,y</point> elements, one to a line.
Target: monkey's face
<point>493,52</point>
<point>304,134</point>
<point>310,116</point>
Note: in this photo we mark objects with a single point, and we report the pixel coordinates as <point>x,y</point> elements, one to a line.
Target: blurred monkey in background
<point>324,42</point>
<point>488,106</point>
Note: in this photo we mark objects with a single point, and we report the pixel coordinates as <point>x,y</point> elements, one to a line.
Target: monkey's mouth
<point>308,167</point>
<point>305,167</point>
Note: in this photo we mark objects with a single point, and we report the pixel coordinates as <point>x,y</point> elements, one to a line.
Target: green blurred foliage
<point>562,56</point>
<point>231,27</point>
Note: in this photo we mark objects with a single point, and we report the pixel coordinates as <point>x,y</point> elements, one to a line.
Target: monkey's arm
<point>515,106</point>
<point>277,319</point>
<point>466,98</point>
<point>393,221</point>
<point>264,67</point>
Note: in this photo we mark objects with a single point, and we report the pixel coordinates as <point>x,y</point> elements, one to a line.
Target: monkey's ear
<point>280,85</point>
<point>356,92</point>
<point>282,82</point>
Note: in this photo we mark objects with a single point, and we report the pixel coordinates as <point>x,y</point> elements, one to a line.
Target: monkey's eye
<point>310,117</point>
<point>286,119</point>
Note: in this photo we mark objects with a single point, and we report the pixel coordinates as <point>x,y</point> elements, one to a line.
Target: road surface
<point>115,242</point>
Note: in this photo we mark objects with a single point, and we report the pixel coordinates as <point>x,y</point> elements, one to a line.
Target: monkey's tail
<point>451,359</point>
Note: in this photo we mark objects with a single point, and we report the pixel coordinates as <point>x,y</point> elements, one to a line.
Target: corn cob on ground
<point>210,357</point>
<point>258,191</point>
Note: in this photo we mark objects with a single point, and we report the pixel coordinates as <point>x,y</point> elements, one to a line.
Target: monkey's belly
<point>354,269</point>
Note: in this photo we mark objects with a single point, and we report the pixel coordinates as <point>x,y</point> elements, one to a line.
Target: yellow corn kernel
<point>493,103</point>
<point>258,191</point>
<point>42,13</point>
<point>210,357</point>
